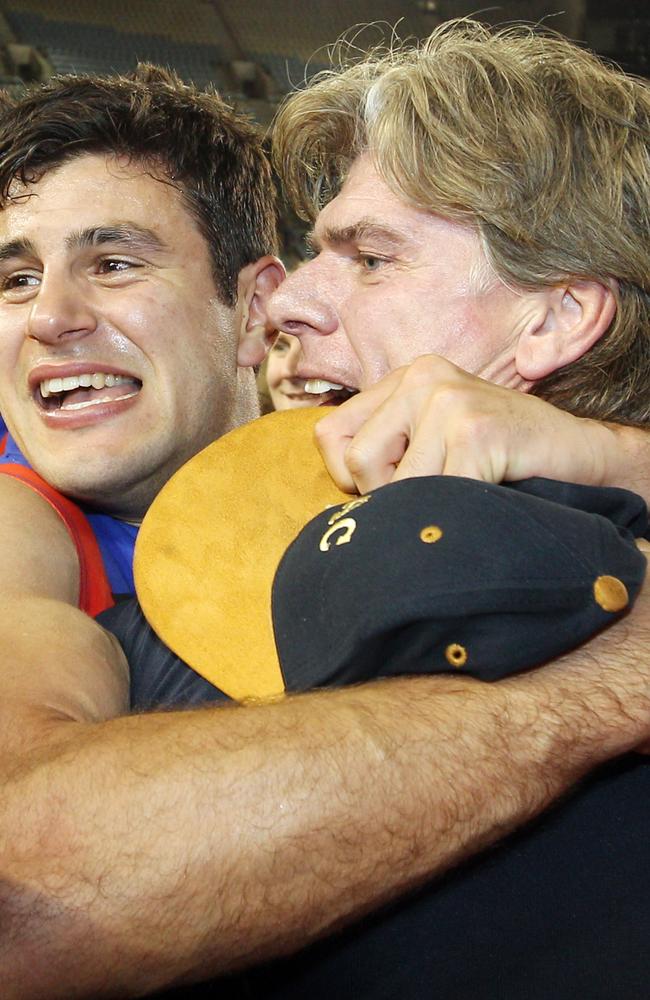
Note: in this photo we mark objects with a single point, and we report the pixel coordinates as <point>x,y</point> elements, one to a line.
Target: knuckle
<point>326,429</point>
<point>474,428</point>
<point>426,369</point>
<point>453,398</point>
<point>356,459</point>
<point>417,461</point>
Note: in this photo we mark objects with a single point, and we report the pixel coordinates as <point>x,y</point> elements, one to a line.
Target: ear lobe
<point>570,320</point>
<point>256,284</point>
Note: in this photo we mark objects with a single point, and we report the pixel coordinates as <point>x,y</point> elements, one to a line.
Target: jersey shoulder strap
<point>94,589</point>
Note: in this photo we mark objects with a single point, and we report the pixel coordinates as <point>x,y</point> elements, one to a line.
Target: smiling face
<point>389,283</point>
<point>117,359</point>
<point>286,390</point>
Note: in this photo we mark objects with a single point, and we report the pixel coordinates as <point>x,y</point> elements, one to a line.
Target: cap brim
<point>212,540</point>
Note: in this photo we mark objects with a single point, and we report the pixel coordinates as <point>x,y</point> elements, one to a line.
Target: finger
<point>402,438</point>
<point>339,427</point>
<point>425,454</point>
<point>373,454</point>
<point>447,437</point>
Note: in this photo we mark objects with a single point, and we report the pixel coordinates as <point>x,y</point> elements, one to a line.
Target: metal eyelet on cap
<point>611,593</point>
<point>432,533</point>
<point>456,655</point>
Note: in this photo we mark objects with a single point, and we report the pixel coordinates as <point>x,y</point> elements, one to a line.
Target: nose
<point>305,303</point>
<point>59,311</point>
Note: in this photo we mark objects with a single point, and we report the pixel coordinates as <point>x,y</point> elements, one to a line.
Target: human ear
<point>568,320</point>
<point>256,284</point>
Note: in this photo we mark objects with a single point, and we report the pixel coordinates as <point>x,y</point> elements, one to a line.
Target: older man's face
<point>389,283</point>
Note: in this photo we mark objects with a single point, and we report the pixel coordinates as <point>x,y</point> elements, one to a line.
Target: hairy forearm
<point>170,847</point>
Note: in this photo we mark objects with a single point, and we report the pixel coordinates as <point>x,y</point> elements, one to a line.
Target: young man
<point>145,850</point>
<point>107,393</point>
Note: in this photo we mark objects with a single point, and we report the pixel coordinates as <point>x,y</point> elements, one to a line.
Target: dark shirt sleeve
<point>159,679</point>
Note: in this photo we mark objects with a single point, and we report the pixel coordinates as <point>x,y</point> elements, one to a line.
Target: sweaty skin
<point>90,285</point>
<point>141,851</point>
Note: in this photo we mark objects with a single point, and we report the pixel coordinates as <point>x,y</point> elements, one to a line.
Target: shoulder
<point>39,555</point>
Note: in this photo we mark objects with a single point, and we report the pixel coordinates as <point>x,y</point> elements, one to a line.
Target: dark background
<point>256,50</point>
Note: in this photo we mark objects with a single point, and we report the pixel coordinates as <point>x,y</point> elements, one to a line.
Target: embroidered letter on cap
<point>349,526</point>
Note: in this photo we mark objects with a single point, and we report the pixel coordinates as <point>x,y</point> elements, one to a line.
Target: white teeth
<point>97,381</point>
<point>316,386</point>
<point>54,385</point>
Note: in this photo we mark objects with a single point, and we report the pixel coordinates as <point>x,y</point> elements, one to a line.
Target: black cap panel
<point>445,575</point>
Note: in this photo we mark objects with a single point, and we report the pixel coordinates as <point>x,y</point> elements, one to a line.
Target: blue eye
<point>370,262</point>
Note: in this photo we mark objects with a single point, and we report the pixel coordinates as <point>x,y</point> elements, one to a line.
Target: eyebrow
<point>126,234</point>
<point>358,232</point>
<point>17,248</point>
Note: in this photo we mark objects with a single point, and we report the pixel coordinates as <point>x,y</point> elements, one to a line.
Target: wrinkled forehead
<point>364,193</point>
<point>368,213</point>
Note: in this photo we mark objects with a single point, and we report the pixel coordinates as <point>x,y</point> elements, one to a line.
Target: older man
<point>498,234</point>
<point>142,851</point>
<point>439,232</point>
<point>486,197</point>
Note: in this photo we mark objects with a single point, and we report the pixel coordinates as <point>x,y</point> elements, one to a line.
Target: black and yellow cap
<point>450,575</point>
<point>431,574</point>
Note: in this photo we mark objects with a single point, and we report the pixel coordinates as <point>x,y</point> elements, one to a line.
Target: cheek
<point>150,321</point>
<point>381,332</point>
<point>177,332</point>
<point>16,352</point>
<point>405,325</point>
<point>13,340</point>
<point>273,374</point>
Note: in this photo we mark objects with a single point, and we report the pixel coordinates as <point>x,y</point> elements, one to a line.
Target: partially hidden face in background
<point>286,388</point>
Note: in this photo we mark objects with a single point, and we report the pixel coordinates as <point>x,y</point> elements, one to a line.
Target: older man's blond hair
<point>527,138</point>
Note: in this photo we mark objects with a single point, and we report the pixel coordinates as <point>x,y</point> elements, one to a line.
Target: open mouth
<point>330,393</point>
<point>78,392</point>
